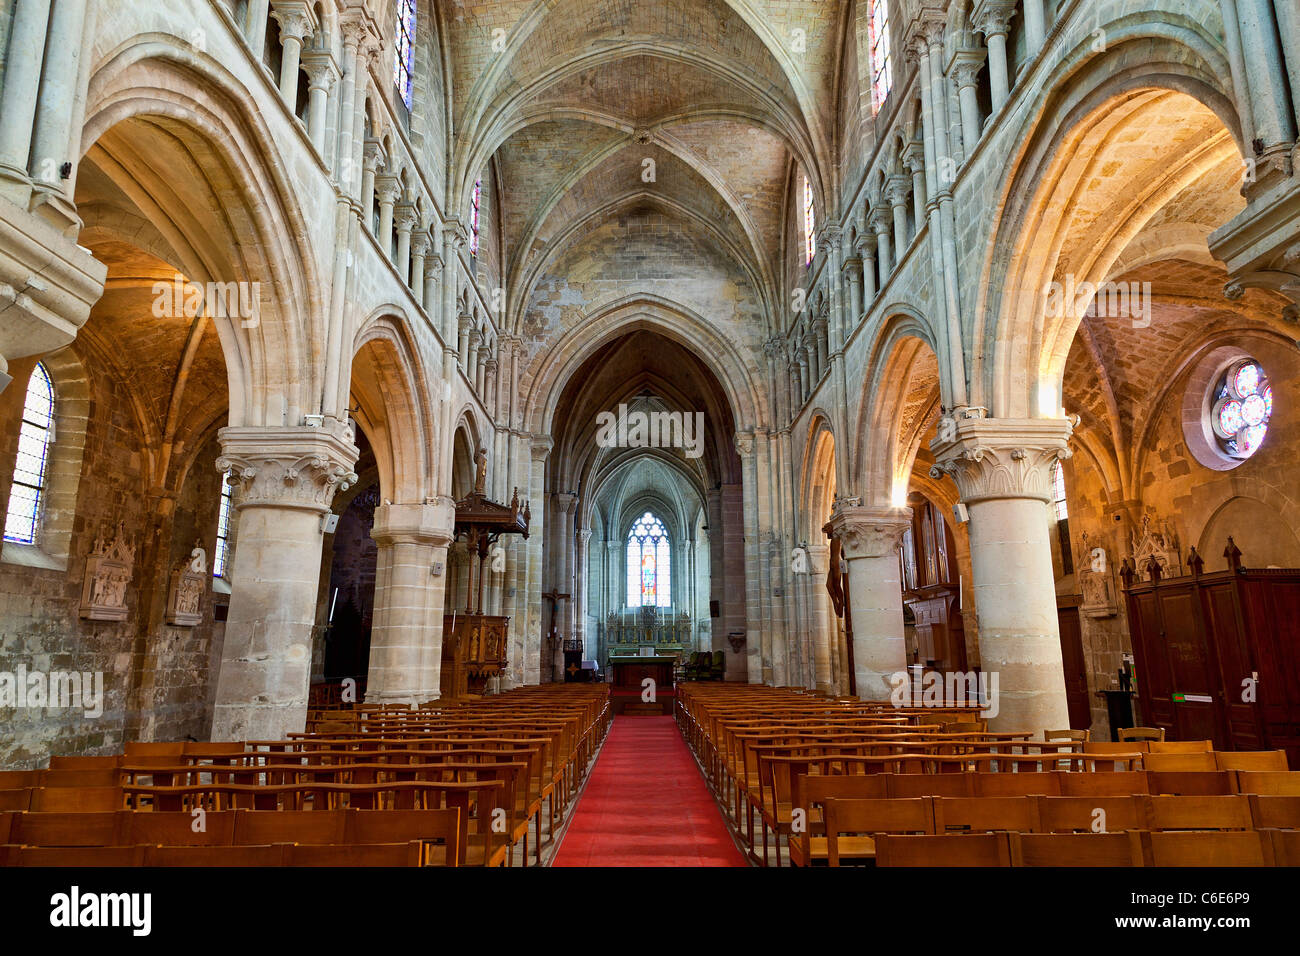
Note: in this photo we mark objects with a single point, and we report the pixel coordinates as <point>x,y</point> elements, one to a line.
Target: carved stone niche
<point>109,570</point>
<point>1096,582</point>
<point>188,582</point>
<point>1159,544</point>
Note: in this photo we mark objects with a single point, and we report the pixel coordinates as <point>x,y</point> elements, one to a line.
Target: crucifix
<point>555,598</point>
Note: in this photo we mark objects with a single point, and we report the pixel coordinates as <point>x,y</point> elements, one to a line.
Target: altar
<point>627,676</point>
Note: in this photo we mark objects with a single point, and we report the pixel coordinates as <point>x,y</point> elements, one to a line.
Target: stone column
<point>321,75</point>
<point>854,270</point>
<point>1288,28</point>
<point>406,640</point>
<point>1265,72</point>
<point>819,617</point>
<point>897,191</point>
<point>286,478</point>
<point>18,95</point>
<point>914,160</point>
<point>993,19</point>
<point>1035,26</point>
<point>870,538</point>
<point>297,23</point>
<point>966,68</point>
<point>581,593</point>
<point>255,26</point>
<point>753,578</point>
<point>532,634</point>
<point>1002,468</point>
<point>372,158</point>
<point>53,132</point>
<point>880,226</point>
<point>419,250</point>
<point>867,249</point>
<point>432,275</point>
<point>406,217</point>
<point>388,189</point>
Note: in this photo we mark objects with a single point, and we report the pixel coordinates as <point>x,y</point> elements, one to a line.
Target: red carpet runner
<point>646,804</point>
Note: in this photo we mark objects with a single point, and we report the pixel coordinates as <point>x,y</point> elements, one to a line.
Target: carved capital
<point>421,243</point>
<point>869,532</point>
<point>897,188</point>
<point>406,216</point>
<point>993,458</point>
<point>541,448</point>
<point>966,66</point>
<point>745,444</point>
<point>387,188</point>
<point>289,467</point>
<point>431,523</point>
<point>993,17</point>
<point>321,69</point>
<point>296,19</point>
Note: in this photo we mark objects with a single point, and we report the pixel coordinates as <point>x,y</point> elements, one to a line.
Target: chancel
<point>670,433</point>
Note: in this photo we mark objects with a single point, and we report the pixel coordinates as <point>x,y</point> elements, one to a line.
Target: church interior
<point>673,433</point>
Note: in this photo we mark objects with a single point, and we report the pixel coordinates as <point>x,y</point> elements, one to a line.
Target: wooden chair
<point>17,799</point>
<point>984,814</point>
<point>1285,845</point>
<point>967,849</point>
<point>811,791</point>
<point>1274,760</point>
<point>1080,814</point>
<point>913,785</point>
<point>1017,784</point>
<point>1191,783</point>
<point>1181,747</point>
<point>357,854</point>
<point>1140,733</point>
<point>1270,782</point>
<point>1199,813</point>
<point>64,829</point>
<point>1161,762</point>
<point>1118,783</point>
<point>1076,849</point>
<point>1083,736</point>
<point>79,762</point>
<point>437,830</point>
<point>1239,848</point>
<point>77,799</point>
<point>146,748</point>
<point>866,818</point>
<point>80,856</point>
<point>216,856</point>
<point>177,828</point>
<point>265,827</point>
<point>100,777</point>
<point>19,779</point>
<point>1274,813</point>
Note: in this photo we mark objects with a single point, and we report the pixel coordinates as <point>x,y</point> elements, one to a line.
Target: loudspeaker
<point>960,513</point>
<point>329,522</point>
<point>714,609</point>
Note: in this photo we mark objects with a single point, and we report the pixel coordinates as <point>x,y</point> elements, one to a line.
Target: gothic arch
<point>154,94</point>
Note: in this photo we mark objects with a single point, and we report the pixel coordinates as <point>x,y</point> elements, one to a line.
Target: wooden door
<point>1076,675</point>
<point>1196,691</point>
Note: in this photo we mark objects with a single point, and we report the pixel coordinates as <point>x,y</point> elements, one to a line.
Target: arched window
<point>473,217</point>
<point>809,224</point>
<point>1058,492</point>
<point>882,69</point>
<point>221,557</point>
<point>35,436</point>
<point>648,564</point>
<point>1241,409</point>
<point>404,49</point>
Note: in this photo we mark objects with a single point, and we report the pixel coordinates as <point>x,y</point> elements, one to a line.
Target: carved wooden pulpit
<point>474,644</point>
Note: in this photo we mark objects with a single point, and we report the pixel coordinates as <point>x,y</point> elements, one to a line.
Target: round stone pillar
<point>285,478</point>
<point>406,640</point>
<point>870,538</point>
<point>1002,468</point>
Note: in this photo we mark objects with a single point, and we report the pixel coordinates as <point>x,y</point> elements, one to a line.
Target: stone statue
<point>480,471</point>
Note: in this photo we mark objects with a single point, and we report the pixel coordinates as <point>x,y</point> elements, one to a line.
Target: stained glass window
<point>1243,405</point>
<point>473,217</point>
<point>882,69</point>
<point>809,223</point>
<point>35,435</point>
<point>649,564</point>
<point>404,52</point>
<point>1058,492</point>
<point>222,555</point>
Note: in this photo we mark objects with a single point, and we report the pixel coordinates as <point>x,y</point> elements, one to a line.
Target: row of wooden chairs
<point>1133,848</point>
<point>435,833</point>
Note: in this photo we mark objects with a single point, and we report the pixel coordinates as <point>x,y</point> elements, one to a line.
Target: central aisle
<point>646,804</point>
